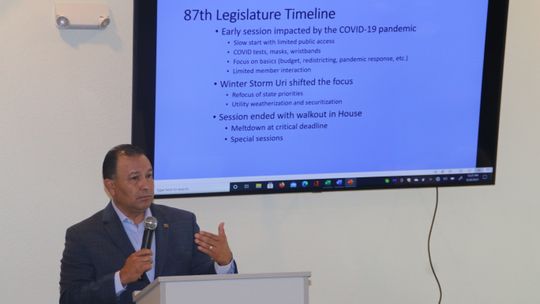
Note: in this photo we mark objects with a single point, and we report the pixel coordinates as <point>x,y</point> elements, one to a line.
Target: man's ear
<point>110,187</point>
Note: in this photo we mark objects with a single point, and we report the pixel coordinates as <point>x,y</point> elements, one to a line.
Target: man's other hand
<point>215,246</point>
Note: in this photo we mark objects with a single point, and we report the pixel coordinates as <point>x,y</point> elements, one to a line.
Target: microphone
<point>150,225</point>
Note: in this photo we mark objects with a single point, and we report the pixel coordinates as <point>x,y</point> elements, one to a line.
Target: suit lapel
<point>162,239</point>
<point>116,232</point>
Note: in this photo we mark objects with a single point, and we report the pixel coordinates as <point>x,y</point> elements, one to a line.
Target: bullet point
<point>217,31</point>
<point>215,83</point>
<point>226,128</point>
<point>225,138</point>
<point>214,116</point>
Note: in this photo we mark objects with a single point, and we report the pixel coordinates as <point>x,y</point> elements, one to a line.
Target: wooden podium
<point>270,288</point>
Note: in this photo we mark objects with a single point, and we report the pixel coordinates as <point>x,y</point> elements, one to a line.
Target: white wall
<point>65,98</point>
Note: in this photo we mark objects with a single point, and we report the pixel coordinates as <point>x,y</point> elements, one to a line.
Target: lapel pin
<point>166,226</point>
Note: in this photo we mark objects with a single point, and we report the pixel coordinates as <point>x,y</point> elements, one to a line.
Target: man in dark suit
<point>102,260</point>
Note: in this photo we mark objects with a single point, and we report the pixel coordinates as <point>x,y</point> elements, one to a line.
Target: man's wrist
<point>226,262</point>
<point>122,277</point>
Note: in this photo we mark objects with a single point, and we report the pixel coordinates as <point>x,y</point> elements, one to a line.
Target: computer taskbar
<point>348,183</point>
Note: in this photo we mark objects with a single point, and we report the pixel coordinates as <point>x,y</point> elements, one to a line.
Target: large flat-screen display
<point>243,97</point>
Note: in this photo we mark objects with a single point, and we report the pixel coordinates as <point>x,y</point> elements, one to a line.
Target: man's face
<point>132,188</point>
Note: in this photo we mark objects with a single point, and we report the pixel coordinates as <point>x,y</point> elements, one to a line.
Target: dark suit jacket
<point>98,247</point>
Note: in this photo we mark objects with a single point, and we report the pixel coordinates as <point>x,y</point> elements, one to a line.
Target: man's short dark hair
<point>111,158</point>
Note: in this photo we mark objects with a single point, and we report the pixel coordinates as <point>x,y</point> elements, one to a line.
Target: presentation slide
<point>279,88</point>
